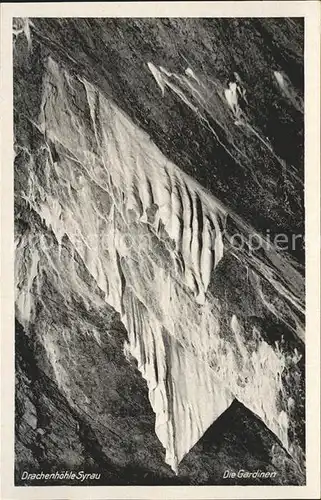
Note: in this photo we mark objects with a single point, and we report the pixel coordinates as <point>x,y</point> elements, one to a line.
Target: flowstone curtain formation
<point>159,316</point>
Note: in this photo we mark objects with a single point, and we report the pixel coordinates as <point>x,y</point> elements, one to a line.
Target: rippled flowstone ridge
<point>150,347</point>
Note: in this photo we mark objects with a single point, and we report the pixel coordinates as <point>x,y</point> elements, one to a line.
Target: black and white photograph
<point>159,250</point>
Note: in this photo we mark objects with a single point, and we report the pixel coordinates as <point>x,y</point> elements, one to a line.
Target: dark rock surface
<point>51,436</point>
<point>254,183</point>
<point>81,401</point>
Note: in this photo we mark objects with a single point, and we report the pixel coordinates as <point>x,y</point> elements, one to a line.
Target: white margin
<point>311,11</point>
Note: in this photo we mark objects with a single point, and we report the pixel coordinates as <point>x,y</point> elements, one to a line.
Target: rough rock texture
<point>150,347</point>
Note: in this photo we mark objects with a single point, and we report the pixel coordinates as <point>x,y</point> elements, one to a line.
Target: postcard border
<point>310,10</point>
